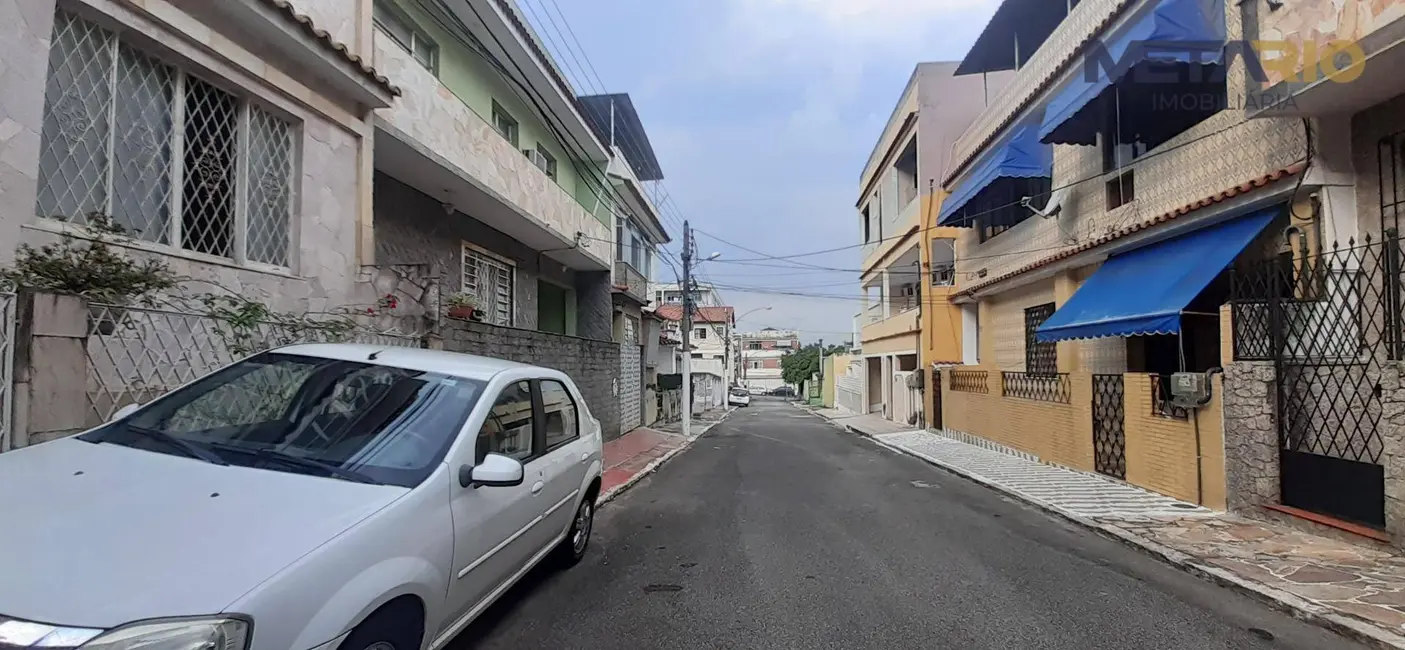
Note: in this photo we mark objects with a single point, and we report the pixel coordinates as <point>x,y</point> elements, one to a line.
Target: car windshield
<point>342,419</point>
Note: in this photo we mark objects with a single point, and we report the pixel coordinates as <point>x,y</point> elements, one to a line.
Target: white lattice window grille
<point>489,279</point>
<point>169,157</point>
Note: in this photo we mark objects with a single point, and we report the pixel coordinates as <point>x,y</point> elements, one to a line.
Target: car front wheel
<point>573,548</point>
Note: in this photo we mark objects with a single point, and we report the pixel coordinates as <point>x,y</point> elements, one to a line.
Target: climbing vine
<point>247,326</point>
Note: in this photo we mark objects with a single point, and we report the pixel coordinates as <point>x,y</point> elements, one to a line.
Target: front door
<point>1109,432</point>
<point>493,526</point>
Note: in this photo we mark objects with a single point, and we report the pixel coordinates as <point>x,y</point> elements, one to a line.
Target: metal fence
<point>138,354</point>
<point>1040,387</point>
<point>1109,426</point>
<point>969,381</point>
<point>7,369</point>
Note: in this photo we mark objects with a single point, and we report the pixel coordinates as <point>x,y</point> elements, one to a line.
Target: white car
<point>315,497</point>
<point>738,397</point>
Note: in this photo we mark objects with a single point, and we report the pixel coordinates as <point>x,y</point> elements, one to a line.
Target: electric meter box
<point>1190,389</point>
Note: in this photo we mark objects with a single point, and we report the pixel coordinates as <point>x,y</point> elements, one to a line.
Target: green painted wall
<point>478,85</point>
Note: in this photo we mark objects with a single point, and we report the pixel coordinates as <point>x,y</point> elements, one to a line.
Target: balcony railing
<point>631,282</point>
<point>1040,388</point>
<point>1033,78</point>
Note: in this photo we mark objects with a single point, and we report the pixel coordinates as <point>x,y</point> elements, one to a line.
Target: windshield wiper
<point>302,462</point>
<point>188,448</point>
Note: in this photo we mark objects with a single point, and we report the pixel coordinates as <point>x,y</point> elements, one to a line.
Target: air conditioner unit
<point>536,157</point>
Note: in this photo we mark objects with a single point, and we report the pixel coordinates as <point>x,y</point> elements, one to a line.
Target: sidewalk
<point>638,453</point>
<point>869,425</point>
<point>1355,590</point>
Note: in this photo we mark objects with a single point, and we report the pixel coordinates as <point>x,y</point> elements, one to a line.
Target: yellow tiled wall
<point>1161,452</point>
<point>1055,432</point>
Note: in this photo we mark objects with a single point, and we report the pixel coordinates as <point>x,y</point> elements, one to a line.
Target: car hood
<point>96,535</point>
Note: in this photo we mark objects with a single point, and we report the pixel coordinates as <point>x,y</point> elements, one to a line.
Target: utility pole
<point>687,280</point>
<point>821,369</point>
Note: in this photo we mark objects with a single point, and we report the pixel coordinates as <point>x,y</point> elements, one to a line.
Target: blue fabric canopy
<point>1021,155</point>
<point>1144,291</point>
<point>1176,31</point>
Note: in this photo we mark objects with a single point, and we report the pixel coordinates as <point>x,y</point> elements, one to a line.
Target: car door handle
<point>537,487</point>
<point>585,457</point>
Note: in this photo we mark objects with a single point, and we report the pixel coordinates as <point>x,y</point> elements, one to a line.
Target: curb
<point>654,466</point>
<point>1295,606</point>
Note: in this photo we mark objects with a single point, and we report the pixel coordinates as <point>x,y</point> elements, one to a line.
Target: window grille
<point>1040,359</point>
<point>490,281</point>
<point>169,157</point>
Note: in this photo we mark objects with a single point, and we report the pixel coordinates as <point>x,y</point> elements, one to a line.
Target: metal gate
<point>7,369</point>
<point>1329,323</point>
<point>1109,432</point>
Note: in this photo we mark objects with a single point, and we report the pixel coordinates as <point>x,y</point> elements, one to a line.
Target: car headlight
<point>181,634</point>
<point>172,634</point>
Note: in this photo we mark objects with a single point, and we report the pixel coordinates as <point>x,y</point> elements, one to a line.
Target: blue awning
<point>1176,31</point>
<point>1144,291</point>
<point>1021,155</point>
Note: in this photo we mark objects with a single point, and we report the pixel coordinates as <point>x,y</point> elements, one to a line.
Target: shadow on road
<point>487,622</point>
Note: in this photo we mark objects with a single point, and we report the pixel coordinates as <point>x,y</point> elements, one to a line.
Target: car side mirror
<point>124,412</point>
<point>496,470</point>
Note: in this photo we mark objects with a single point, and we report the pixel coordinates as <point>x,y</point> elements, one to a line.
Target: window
<point>1122,189</point>
<point>754,345</point>
<point>170,158</point>
<point>700,333</point>
<point>867,232</point>
<point>697,355</point>
<point>544,161</point>
<point>401,30</point>
<point>287,412</point>
<point>503,122</point>
<point>508,428</point>
<point>489,278</point>
<point>1039,358</point>
<point>943,255</point>
<point>755,365</point>
<point>562,417</point>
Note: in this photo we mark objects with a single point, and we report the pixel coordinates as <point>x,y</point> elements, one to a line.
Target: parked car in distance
<point>756,390</point>
<point>314,497</point>
<point>738,397</point>
<point>783,391</point>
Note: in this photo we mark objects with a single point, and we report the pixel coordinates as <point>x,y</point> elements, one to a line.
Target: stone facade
<point>1251,435</point>
<point>323,265</point>
<point>593,364</point>
<point>631,386</point>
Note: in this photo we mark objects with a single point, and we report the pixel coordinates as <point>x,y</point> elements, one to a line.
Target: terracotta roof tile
<point>333,45</point>
<point>704,314</point>
<point>1242,188</point>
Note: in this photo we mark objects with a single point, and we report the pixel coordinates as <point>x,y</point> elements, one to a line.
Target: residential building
<point>759,356</point>
<point>228,139</point>
<point>489,170</point>
<point>710,350</point>
<point>1109,202</point>
<point>704,295</point>
<point>899,188</point>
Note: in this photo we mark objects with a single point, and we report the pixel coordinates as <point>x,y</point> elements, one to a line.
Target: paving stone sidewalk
<point>1354,589</point>
<point>634,455</point>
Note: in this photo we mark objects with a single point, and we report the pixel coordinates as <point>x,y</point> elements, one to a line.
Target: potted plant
<point>463,305</point>
<point>90,267</point>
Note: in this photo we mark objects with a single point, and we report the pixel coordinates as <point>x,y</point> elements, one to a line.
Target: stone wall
<point>594,311</point>
<point>1250,435</point>
<point>594,365</point>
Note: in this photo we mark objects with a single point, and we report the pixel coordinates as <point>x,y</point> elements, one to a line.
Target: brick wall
<point>1161,451</point>
<point>593,365</point>
<point>1055,432</point>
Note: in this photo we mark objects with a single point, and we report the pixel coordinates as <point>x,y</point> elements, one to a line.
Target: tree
<point>800,365</point>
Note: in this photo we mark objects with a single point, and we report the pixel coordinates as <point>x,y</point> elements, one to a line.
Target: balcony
<point>1058,53</point>
<point>900,323</point>
<point>630,282</point>
<point>431,140</point>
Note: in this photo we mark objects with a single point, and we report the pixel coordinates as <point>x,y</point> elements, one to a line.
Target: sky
<point>762,114</point>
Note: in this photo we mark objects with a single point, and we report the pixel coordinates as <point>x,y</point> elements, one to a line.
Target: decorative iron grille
<point>1161,405</point>
<point>490,281</point>
<point>172,159</point>
<point>1039,358</point>
<point>969,381</point>
<point>1042,388</point>
<point>1109,434</point>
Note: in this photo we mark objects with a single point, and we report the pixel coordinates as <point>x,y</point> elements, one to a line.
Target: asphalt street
<point>777,530</point>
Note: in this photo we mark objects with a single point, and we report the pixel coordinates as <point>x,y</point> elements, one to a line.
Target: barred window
<point>172,159</point>
<point>489,279</point>
<point>1040,359</point>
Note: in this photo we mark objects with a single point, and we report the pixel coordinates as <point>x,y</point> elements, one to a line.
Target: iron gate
<point>1109,433</point>
<point>1329,322</point>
